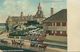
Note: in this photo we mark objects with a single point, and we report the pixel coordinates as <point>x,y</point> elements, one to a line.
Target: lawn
<point>59,39</point>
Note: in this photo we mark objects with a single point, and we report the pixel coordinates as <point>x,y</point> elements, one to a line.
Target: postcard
<point>33,26</point>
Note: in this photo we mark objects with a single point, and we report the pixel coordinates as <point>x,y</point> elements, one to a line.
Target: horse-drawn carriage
<point>38,42</point>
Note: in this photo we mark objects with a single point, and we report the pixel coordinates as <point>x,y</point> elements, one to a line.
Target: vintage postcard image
<point>33,25</point>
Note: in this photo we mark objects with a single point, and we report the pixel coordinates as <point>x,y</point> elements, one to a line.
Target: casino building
<point>56,24</point>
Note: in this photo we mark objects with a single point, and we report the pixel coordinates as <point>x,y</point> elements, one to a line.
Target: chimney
<point>52,11</point>
<point>21,14</point>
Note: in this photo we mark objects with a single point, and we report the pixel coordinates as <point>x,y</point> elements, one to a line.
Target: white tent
<point>31,26</point>
<point>21,27</point>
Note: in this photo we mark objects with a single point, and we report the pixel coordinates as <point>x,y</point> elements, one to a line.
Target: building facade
<point>13,21</point>
<point>56,24</point>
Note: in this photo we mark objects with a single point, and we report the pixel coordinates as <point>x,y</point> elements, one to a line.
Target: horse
<point>4,41</point>
<point>42,46</point>
<point>20,44</point>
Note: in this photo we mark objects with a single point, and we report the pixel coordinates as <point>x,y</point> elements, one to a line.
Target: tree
<point>32,23</point>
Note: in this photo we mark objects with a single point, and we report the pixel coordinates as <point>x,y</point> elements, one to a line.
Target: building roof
<point>59,16</point>
<point>39,13</point>
<point>17,18</point>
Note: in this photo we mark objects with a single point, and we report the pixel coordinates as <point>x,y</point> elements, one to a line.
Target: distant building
<point>56,24</point>
<point>13,21</point>
<point>39,14</point>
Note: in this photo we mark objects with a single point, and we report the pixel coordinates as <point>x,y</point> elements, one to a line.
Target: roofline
<point>52,15</point>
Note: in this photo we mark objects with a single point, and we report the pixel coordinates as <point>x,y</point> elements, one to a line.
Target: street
<point>27,46</point>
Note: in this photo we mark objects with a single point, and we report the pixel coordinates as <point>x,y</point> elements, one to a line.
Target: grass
<point>58,39</point>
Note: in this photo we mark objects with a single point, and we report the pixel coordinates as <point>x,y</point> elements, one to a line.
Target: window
<point>49,32</point>
<point>49,24</point>
<point>64,33</point>
<point>63,23</point>
<point>58,24</point>
<point>57,33</point>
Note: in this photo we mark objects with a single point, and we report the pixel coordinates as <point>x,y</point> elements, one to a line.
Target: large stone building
<point>56,24</point>
<point>13,21</point>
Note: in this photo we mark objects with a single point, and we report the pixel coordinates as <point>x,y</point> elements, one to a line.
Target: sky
<point>14,7</point>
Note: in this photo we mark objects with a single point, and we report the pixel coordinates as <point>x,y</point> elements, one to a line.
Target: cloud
<point>14,7</point>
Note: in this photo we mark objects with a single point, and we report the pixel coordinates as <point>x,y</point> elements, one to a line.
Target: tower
<point>39,7</point>
<point>52,11</point>
<point>39,13</point>
<point>21,14</point>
